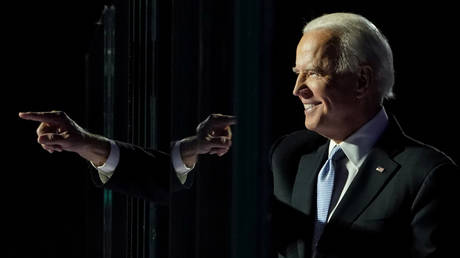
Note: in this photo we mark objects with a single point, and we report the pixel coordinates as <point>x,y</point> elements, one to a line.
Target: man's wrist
<point>178,163</point>
<point>112,161</point>
<point>188,151</point>
<point>97,150</point>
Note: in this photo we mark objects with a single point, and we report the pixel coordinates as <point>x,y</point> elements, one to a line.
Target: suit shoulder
<point>420,159</point>
<point>426,154</point>
<point>291,147</point>
<point>285,157</point>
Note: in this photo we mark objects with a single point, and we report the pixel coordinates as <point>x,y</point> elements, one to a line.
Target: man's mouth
<point>309,106</point>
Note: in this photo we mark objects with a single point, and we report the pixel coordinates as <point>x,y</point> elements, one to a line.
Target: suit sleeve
<point>143,173</point>
<point>435,220</point>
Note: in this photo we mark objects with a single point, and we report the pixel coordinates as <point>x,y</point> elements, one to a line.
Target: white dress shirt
<point>356,148</point>
<point>108,168</point>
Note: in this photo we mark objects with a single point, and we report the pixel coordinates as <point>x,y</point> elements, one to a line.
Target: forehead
<point>316,47</point>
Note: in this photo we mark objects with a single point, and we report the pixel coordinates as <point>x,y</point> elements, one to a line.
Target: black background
<point>44,194</point>
<point>43,54</point>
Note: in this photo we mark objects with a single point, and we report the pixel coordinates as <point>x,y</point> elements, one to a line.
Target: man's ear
<point>365,80</point>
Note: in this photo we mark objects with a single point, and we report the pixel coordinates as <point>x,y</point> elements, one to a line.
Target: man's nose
<point>297,86</point>
<point>300,88</point>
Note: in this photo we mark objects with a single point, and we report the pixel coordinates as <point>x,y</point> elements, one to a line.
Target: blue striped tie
<point>324,187</point>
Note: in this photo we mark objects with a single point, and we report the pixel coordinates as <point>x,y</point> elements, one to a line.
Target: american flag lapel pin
<point>380,169</point>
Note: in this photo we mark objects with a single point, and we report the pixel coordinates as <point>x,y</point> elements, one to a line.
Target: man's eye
<point>313,75</point>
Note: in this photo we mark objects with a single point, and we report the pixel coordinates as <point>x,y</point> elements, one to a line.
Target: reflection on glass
<point>109,84</point>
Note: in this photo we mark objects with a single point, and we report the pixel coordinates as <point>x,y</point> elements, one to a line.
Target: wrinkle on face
<point>318,50</point>
<point>335,113</point>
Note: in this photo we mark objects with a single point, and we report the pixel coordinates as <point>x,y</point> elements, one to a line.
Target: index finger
<point>47,117</point>
<point>223,120</point>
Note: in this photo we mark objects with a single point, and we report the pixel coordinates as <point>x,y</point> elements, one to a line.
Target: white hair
<point>361,42</point>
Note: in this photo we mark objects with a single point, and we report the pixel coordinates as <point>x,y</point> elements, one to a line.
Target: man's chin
<point>313,124</point>
<point>310,126</point>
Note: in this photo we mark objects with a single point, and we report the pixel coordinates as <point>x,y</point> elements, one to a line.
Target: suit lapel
<point>378,168</point>
<point>303,195</point>
<point>369,181</point>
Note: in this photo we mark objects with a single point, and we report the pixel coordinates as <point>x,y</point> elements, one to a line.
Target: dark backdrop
<point>43,195</point>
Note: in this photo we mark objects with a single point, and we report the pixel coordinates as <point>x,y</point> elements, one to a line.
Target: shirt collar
<point>357,146</point>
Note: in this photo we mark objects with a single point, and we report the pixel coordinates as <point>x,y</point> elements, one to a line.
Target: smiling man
<point>334,101</point>
<point>353,184</point>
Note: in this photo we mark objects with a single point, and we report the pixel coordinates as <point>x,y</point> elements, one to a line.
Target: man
<point>353,184</point>
<point>128,168</point>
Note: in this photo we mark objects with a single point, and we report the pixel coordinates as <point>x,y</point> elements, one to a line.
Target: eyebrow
<point>314,69</point>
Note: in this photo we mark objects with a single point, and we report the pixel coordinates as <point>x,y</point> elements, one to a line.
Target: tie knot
<point>336,153</point>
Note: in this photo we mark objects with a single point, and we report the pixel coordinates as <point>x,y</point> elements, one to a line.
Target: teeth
<point>308,106</point>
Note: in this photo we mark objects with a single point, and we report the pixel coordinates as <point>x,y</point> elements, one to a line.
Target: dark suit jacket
<point>144,173</point>
<point>407,210</point>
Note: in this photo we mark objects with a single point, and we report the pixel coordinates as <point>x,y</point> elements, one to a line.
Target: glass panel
<point>109,98</point>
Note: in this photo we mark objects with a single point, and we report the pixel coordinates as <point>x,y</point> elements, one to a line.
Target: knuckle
<point>199,128</point>
<point>208,119</point>
<point>215,116</point>
<point>60,114</point>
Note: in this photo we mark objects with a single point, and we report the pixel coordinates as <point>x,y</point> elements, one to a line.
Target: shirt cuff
<point>106,170</point>
<point>178,164</point>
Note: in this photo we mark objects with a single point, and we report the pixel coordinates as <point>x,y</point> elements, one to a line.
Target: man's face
<point>327,97</point>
